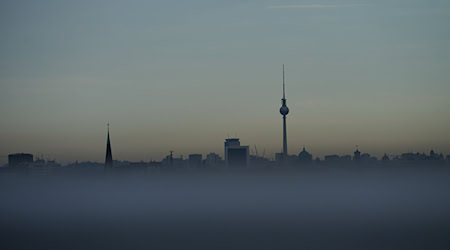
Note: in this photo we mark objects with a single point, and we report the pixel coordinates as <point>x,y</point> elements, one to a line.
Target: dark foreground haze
<point>404,208</point>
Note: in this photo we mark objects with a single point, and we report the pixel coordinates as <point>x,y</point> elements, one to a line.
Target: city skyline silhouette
<point>373,74</point>
<point>271,155</point>
<point>153,124</point>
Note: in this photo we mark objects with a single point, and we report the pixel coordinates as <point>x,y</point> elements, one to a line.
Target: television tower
<point>108,158</point>
<point>284,110</point>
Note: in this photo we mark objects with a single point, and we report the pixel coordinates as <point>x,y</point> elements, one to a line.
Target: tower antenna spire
<point>284,96</point>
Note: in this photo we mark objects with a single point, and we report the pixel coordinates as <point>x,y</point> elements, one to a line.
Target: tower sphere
<point>284,110</point>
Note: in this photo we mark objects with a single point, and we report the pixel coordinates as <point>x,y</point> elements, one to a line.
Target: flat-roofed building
<point>195,160</point>
<point>15,160</point>
<point>235,154</point>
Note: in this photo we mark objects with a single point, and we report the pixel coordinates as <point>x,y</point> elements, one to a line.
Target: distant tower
<point>108,159</point>
<point>284,110</point>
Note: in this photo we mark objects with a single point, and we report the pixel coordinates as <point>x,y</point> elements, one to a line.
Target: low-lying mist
<point>328,208</point>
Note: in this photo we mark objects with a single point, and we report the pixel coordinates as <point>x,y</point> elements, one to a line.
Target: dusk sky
<point>185,75</point>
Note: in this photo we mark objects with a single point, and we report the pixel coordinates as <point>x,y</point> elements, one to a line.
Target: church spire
<point>108,158</point>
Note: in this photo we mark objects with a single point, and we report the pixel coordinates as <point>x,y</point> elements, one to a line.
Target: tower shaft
<point>284,110</point>
<point>285,151</point>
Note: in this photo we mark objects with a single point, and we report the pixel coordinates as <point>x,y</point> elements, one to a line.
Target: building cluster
<point>239,156</point>
<point>22,160</point>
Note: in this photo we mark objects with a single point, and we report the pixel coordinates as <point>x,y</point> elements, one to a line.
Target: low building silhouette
<point>332,159</point>
<point>368,159</point>
<point>338,160</point>
<point>213,160</point>
<point>385,158</point>
<point>195,160</point>
<point>357,155</point>
<point>304,157</point>
<point>420,158</point>
<point>171,161</point>
<point>346,159</point>
<point>19,160</point>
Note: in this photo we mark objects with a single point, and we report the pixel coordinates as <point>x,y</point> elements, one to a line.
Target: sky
<point>185,75</point>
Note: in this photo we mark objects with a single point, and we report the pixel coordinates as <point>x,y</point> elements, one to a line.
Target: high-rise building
<point>235,154</point>
<point>108,158</point>
<point>284,110</point>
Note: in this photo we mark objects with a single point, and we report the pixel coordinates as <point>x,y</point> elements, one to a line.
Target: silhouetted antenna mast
<point>284,96</point>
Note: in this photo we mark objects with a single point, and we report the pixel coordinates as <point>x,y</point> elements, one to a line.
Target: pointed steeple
<point>108,158</point>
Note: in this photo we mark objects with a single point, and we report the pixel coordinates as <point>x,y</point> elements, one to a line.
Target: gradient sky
<point>183,75</point>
